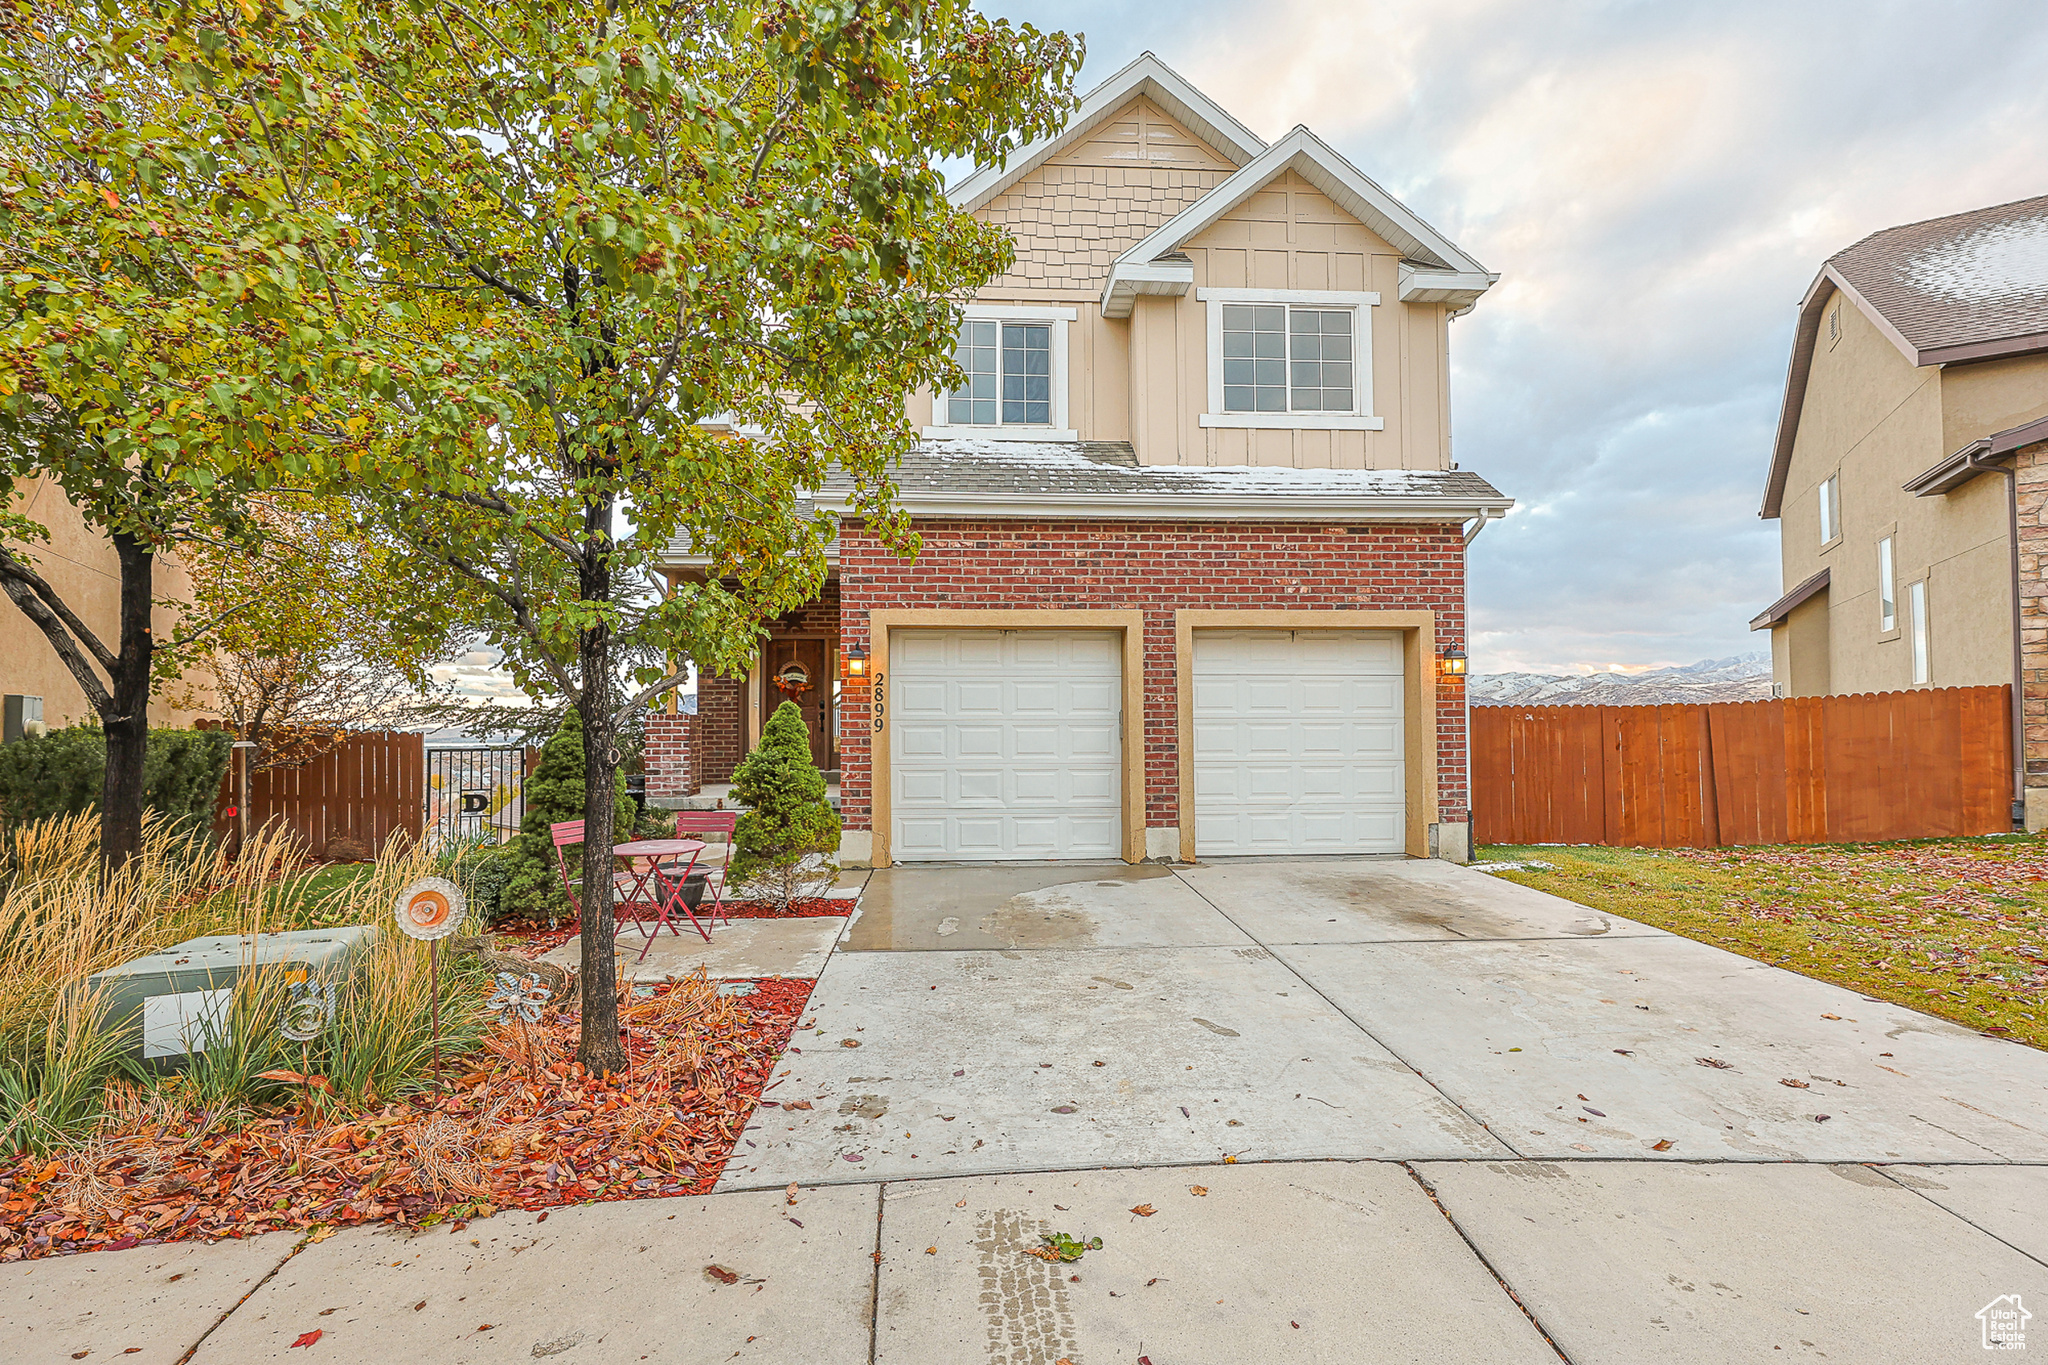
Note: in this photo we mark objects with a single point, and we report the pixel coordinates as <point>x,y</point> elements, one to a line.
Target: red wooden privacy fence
<point>1806,770</point>
<point>371,787</point>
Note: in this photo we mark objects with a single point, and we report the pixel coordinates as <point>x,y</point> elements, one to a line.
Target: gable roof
<point>1434,269</point>
<point>1147,76</point>
<point>1968,286</point>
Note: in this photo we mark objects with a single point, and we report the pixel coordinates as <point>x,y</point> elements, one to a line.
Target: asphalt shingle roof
<point>1970,277</point>
<point>1097,468</point>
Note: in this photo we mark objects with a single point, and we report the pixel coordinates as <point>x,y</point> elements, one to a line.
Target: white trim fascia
<point>1019,312</point>
<point>1057,430</point>
<point>1460,288</point>
<point>1146,75</point>
<point>1293,421</point>
<point>1307,298</point>
<point>1351,189</point>
<point>1129,279</point>
<point>1361,418</point>
<point>673,561</point>
<point>974,433</point>
<point>1182,506</point>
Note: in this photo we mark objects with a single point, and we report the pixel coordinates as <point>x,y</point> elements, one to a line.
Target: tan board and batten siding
<point>1073,215</point>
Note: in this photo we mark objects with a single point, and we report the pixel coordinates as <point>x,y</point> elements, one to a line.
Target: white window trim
<point>1060,318</point>
<point>1919,634</point>
<point>1888,583</point>
<point>1361,419</point>
<point>1829,495</point>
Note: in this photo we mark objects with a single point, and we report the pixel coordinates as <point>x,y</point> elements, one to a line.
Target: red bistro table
<point>668,894</point>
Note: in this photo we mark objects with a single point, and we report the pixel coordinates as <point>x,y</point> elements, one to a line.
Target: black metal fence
<point>475,792</point>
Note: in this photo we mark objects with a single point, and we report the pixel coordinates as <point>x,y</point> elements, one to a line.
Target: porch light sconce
<point>854,660</point>
<point>1453,663</point>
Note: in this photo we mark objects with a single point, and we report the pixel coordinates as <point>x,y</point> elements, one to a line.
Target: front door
<point>795,671</point>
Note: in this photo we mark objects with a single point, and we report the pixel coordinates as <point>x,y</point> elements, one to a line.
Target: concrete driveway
<point>983,1020</point>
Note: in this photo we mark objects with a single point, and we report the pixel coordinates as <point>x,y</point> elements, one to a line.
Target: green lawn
<point>1955,927</point>
<point>311,898</point>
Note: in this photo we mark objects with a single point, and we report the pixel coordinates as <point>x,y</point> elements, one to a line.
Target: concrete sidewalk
<point>1450,1263</point>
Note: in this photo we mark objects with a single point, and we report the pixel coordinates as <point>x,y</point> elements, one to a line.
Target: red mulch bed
<point>493,1138</point>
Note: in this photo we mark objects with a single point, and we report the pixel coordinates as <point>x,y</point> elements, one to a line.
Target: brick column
<point>2031,464</point>
<point>669,754</point>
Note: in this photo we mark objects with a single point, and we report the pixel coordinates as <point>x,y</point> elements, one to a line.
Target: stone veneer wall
<point>1162,567</point>
<point>2031,463</point>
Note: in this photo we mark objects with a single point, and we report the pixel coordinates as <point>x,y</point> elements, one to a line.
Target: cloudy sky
<point>1657,184</point>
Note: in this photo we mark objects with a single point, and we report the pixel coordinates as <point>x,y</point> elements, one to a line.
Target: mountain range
<point>1742,677</point>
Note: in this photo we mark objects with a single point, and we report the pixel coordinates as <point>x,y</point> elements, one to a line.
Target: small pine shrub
<point>785,842</point>
<point>532,887</point>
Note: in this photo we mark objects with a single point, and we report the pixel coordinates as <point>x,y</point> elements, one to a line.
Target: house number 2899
<point>881,697</point>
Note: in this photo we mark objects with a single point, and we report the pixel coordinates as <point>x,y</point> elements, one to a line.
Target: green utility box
<point>174,1001</point>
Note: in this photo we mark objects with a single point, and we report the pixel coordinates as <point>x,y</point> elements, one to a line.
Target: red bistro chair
<point>566,833</point>
<point>571,832</point>
<point>720,822</point>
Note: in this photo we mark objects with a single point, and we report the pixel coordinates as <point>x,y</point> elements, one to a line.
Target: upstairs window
<point>1285,358</point>
<point>1830,508</point>
<point>1916,613</point>
<point>1009,375</point>
<point>1887,588</point>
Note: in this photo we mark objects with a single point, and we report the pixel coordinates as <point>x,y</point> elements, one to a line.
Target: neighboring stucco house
<point>1193,566</point>
<point>1920,365</point>
<point>79,563</point>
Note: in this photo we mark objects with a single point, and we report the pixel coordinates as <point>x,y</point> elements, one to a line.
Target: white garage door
<point>1006,744</point>
<point>1298,742</point>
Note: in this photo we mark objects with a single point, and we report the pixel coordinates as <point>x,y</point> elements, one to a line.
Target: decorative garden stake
<point>431,908</point>
<point>308,1009</point>
<point>519,1001</point>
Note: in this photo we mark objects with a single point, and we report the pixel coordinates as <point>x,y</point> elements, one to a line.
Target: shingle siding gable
<point>1073,215</point>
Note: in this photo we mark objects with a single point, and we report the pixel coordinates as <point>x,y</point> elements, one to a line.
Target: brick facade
<point>1160,568</point>
<point>668,755</point>
<point>721,729</point>
<point>2031,462</point>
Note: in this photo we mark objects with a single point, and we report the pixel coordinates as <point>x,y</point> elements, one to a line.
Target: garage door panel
<point>1035,699</point>
<point>1327,696</point>
<point>1019,753</point>
<point>920,740</point>
<point>977,698</point>
<point>1298,742</point>
<point>970,648</point>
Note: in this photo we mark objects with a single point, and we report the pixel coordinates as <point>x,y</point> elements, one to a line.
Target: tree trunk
<point>126,718</point>
<point>601,1051</point>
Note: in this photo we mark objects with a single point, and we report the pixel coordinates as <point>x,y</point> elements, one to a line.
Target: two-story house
<point>1193,568</point>
<point>1911,472</point>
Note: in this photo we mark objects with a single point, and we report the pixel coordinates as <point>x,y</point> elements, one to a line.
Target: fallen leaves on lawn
<point>498,1139</point>
<point>1956,928</point>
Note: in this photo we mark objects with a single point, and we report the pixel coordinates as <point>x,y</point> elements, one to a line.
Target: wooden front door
<point>795,671</point>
